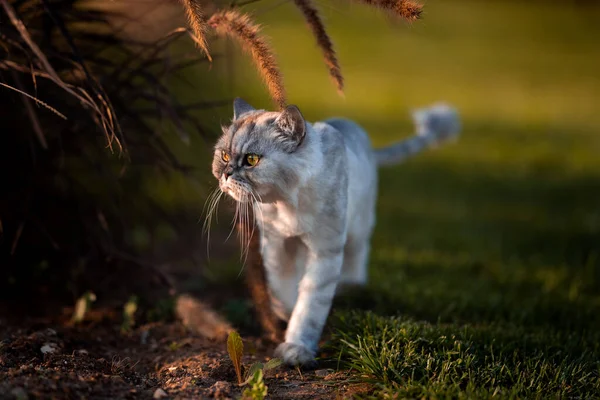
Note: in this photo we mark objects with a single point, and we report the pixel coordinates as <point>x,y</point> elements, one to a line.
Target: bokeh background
<point>493,240</point>
<point>509,214</point>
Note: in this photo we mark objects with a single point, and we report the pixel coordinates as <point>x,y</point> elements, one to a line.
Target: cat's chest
<point>283,220</point>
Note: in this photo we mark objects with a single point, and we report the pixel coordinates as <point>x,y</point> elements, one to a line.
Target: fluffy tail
<point>434,125</point>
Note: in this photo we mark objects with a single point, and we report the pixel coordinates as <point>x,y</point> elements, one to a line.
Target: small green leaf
<point>129,310</point>
<point>252,370</point>
<point>257,389</point>
<point>273,363</point>
<point>235,348</point>
<point>82,306</point>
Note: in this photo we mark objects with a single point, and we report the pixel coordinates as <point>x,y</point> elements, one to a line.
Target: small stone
<point>82,352</point>
<point>159,394</point>
<point>322,373</point>
<point>220,389</point>
<point>50,332</point>
<point>49,348</point>
<point>144,336</point>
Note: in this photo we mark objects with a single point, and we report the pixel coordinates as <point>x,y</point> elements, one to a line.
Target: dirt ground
<point>54,359</point>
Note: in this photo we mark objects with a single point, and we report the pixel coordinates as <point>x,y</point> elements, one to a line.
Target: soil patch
<point>54,359</point>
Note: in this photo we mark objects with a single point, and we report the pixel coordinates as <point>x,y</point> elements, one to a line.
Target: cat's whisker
<point>243,226</point>
<point>242,219</point>
<point>216,205</point>
<point>213,208</point>
<point>247,234</point>
<point>242,229</point>
<point>245,231</point>
<point>244,234</point>
<point>235,218</point>
<point>256,206</point>
<point>213,202</point>
<point>207,206</point>
<point>251,223</point>
<point>210,198</point>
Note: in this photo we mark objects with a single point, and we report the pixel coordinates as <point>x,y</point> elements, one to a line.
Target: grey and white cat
<point>313,188</point>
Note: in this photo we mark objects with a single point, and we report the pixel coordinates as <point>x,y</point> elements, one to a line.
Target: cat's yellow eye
<point>225,156</point>
<point>252,159</point>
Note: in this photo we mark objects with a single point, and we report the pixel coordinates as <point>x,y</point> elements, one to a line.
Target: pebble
<point>144,336</point>
<point>220,389</point>
<point>48,348</point>
<point>159,394</point>
<point>322,373</point>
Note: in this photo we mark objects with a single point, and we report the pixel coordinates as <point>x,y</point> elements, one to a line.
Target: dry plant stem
<point>256,280</point>
<point>106,119</point>
<point>97,87</point>
<point>35,122</point>
<point>38,101</point>
<point>240,27</point>
<point>406,9</point>
<point>315,23</point>
<point>197,21</point>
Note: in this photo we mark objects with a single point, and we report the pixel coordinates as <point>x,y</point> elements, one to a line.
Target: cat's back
<point>361,170</point>
<point>355,139</point>
<point>354,136</point>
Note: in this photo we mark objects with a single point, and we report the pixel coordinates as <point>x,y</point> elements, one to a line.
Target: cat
<point>313,190</point>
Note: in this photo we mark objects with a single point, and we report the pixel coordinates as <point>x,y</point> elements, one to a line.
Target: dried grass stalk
<point>315,23</point>
<point>240,27</point>
<point>197,21</point>
<point>103,111</point>
<point>406,9</point>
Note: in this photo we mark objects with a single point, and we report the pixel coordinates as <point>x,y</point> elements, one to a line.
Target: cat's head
<point>254,156</point>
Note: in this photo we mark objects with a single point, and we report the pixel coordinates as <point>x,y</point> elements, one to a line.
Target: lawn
<point>485,268</point>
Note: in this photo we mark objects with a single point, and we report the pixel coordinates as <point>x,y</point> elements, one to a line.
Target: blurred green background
<point>508,212</point>
<point>494,239</point>
<point>489,248</point>
<point>485,262</point>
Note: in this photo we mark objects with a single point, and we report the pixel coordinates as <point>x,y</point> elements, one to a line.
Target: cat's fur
<point>314,192</point>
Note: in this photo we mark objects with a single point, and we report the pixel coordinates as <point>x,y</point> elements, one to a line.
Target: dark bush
<point>76,151</point>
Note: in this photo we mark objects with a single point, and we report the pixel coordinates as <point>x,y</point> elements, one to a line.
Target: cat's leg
<point>358,245</point>
<point>281,258</point>
<point>315,295</point>
<point>355,269</point>
<point>256,280</point>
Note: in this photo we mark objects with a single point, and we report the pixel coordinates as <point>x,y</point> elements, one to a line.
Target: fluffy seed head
<point>406,9</point>
<point>316,25</point>
<point>197,22</point>
<point>240,27</point>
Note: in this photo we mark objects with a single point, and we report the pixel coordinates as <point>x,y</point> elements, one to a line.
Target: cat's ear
<point>240,107</point>
<point>291,123</point>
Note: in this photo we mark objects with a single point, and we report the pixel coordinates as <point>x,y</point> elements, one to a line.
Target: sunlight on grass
<point>417,359</point>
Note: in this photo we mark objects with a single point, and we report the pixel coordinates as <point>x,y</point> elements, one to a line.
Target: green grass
<point>485,267</point>
<point>418,359</point>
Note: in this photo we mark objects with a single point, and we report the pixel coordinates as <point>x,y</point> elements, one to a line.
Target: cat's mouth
<point>237,195</point>
<point>240,192</point>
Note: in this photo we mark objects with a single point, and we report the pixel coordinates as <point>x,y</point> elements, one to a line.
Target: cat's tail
<point>434,125</point>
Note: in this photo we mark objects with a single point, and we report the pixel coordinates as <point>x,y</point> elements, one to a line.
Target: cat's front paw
<point>294,354</point>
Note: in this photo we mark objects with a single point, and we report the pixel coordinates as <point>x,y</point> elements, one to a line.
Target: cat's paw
<point>294,354</point>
